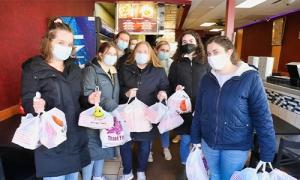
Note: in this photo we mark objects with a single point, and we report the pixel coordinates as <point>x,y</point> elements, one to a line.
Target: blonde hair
<point>153,58</point>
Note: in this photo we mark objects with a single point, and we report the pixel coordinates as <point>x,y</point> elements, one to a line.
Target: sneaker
<point>167,154</point>
<point>127,176</point>
<point>150,158</point>
<point>141,176</point>
<point>99,178</point>
<point>176,139</point>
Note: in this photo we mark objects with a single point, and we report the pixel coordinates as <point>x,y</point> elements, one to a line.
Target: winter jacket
<point>149,82</point>
<point>61,90</point>
<point>188,74</point>
<point>94,75</point>
<point>226,117</point>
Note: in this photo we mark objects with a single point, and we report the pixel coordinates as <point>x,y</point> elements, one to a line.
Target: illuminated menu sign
<point>137,17</point>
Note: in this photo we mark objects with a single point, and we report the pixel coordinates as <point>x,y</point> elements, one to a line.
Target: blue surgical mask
<point>61,52</point>
<point>122,44</point>
<point>163,55</point>
<point>110,60</point>
<point>141,58</point>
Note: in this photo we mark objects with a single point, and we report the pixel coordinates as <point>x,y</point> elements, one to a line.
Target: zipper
<point>217,119</point>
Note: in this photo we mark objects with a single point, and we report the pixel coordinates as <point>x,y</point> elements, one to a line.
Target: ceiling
<point>214,11</point>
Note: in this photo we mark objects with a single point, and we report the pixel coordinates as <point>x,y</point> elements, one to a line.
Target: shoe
<point>167,154</point>
<point>182,174</point>
<point>99,178</point>
<point>150,158</point>
<point>127,176</point>
<point>176,139</point>
<point>141,176</point>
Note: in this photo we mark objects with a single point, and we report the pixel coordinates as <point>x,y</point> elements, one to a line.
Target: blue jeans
<point>165,139</point>
<point>143,153</point>
<point>72,176</point>
<point>185,142</point>
<point>222,163</point>
<point>95,169</point>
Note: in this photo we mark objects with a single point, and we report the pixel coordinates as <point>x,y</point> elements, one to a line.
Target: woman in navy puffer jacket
<point>231,103</point>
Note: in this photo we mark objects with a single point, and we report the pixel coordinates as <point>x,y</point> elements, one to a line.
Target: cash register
<point>294,72</point>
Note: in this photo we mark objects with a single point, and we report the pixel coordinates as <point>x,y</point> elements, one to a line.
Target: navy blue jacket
<point>226,117</point>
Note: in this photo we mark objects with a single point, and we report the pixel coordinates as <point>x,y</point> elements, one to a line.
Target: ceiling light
<point>215,30</point>
<point>207,24</point>
<point>250,3</point>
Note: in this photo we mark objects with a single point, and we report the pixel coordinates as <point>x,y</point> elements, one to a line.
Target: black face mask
<point>188,48</point>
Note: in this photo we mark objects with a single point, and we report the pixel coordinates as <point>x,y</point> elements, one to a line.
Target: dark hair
<point>104,47</point>
<point>121,32</point>
<point>200,52</point>
<point>226,43</point>
<point>53,27</point>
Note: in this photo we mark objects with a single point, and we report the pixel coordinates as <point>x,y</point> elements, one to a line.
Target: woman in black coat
<point>186,72</point>
<point>58,80</point>
<point>143,77</point>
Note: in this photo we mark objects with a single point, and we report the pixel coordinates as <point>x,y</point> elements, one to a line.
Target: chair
<point>288,153</point>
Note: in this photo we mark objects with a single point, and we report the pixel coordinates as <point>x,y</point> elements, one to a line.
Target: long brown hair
<point>200,53</point>
<point>153,58</point>
<point>104,47</point>
<point>53,27</point>
<point>226,44</point>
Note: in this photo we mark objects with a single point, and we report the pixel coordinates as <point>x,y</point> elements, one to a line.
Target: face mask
<point>188,48</point>
<point>163,55</point>
<point>61,52</point>
<point>110,60</point>
<point>218,62</point>
<point>122,44</point>
<point>141,58</point>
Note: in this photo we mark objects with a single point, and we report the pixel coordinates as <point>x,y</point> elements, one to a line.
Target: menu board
<point>137,17</point>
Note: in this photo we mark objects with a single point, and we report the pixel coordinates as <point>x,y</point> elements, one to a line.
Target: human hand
<point>179,87</point>
<point>131,93</point>
<point>38,103</point>
<point>94,97</point>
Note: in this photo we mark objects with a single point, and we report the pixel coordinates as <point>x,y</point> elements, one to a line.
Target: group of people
<point>227,95</point>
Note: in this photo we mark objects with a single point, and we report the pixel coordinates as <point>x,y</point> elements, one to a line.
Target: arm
<point>196,122</point>
<point>262,120</point>
<point>123,87</point>
<point>29,88</point>
<point>164,82</point>
<point>172,79</point>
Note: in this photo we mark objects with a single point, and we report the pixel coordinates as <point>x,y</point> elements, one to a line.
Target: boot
<point>182,174</point>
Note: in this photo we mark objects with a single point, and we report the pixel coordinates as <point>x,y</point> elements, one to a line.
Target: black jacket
<point>149,82</point>
<point>188,74</point>
<point>60,90</point>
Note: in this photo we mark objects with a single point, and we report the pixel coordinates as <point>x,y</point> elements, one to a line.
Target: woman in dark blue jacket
<point>142,76</point>
<point>231,103</point>
<point>58,79</point>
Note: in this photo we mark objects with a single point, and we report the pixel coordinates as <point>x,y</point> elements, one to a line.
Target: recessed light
<point>207,24</point>
<point>250,3</point>
<point>215,30</point>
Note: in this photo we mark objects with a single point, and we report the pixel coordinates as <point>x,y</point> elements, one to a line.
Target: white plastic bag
<point>53,128</point>
<point>27,134</point>
<point>195,168</point>
<point>277,174</point>
<point>161,110</point>
<point>252,174</point>
<point>115,136</point>
<point>169,121</point>
<point>96,118</point>
<point>180,102</point>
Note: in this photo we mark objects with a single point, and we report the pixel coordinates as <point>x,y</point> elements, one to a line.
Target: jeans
<point>95,169</point>
<point>72,176</point>
<point>165,139</point>
<point>143,153</point>
<point>222,163</point>
<point>185,143</point>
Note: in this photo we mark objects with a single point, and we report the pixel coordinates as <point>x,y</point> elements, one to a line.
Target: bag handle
<point>263,165</point>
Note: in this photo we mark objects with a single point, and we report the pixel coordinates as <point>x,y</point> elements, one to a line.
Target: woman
<point>186,73</point>
<point>143,77</point>
<point>231,103</point>
<point>102,73</point>
<point>163,53</point>
<point>58,79</point>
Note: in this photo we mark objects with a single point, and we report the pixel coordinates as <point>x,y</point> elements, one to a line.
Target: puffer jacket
<point>226,117</point>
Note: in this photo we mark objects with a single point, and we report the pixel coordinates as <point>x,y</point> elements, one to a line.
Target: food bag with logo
<point>180,102</point>
<point>160,109</point>
<point>169,121</point>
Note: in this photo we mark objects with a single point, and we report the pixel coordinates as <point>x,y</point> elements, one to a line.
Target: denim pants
<point>165,139</point>
<point>222,163</point>
<point>95,169</point>
<point>72,176</point>
<point>185,142</point>
<point>143,153</point>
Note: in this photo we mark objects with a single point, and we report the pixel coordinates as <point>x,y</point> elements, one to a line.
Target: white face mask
<point>218,62</point>
<point>141,58</point>
<point>110,60</point>
<point>61,52</point>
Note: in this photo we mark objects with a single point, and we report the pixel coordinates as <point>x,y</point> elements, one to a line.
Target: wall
<point>290,50</point>
<point>257,40</point>
<point>105,16</point>
<point>22,25</point>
